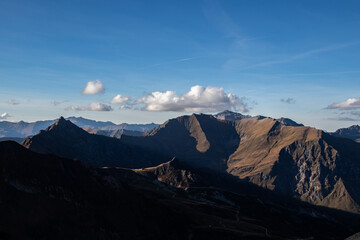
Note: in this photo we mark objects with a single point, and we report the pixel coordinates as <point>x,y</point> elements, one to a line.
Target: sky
<point>148,61</point>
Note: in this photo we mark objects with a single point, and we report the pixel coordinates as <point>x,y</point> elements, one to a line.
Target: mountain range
<point>294,161</point>
<point>352,132</point>
<point>224,176</point>
<point>18,131</point>
<point>24,129</point>
<point>65,139</point>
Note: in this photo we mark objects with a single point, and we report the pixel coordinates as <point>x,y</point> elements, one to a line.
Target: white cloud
<point>4,115</point>
<point>119,99</point>
<point>95,106</point>
<point>198,99</point>
<point>94,87</point>
<point>13,102</point>
<point>350,103</point>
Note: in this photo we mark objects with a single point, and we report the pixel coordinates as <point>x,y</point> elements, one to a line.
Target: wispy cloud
<point>172,62</point>
<point>302,55</point>
<point>95,106</point>
<point>56,103</point>
<point>288,100</point>
<point>221,20</point>
<point>13,102</point>
<point>93,87</point>
<point>347,116</point>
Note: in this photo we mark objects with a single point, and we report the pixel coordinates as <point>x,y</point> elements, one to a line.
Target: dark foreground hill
<point>47,197</point>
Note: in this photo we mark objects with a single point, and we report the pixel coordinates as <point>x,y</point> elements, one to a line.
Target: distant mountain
<point>117,133</point>
<point>289,122</point>
<point>18,140</point>
<point>47,197</point>
<point>352,132</point>
<point>24,129</point>
<point>230,116</point>
<point>65,139</point>
<point>87,123</point>
<point>301,162</point>
<point>136,127</point>
<point>234,116</point>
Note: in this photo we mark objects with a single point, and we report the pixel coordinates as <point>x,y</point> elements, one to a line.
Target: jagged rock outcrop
<point>299,161</point>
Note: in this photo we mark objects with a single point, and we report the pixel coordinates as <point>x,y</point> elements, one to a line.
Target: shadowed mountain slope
<point>201,140</point>
<point>47,197</point>
<point>295,161</point>
<point>352,132</point>
<point>64,139</point>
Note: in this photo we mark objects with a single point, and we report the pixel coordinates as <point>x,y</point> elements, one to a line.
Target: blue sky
<point>296,59</point>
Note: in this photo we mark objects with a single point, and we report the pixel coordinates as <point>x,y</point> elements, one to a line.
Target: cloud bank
<point>93,87</point>
<point>198,99</point>
<point>95,106</point>
<point>4,115</point>
<point>350,103</point>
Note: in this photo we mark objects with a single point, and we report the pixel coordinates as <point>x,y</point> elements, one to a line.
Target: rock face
<point>352,132</point>
<point>47,197</point>
<point>64,139</point>
<point>296,161</point>
<point>200,140</point>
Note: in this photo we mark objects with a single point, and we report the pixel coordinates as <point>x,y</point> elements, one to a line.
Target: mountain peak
<point>352,132</point>
<point>230,116</point>
<point>289,122</point>
<point>62,124</point>
<point>61,119</point>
